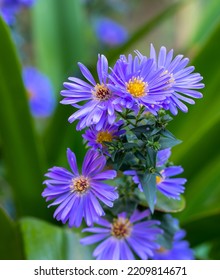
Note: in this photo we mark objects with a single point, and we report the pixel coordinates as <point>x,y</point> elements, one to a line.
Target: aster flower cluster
<point>127,176</point>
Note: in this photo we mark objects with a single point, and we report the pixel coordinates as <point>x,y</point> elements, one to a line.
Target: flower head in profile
<point>98,97</point>
<point>169,186</point>
<point>9,8</point>
<point>184,82</point>
<point>110,32</point>
<point>78,195</point>
<point>137,83</point>
<point>180,249</point>
<point>165,183</point>
<point>124,237</point>
<point>40,92</point>
<point>96,139</point>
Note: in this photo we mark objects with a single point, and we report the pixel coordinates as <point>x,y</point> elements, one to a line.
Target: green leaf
<point>148,183</point>
<point>168,140</point>
<point>20,145</point>
<point>209,18</point>
<point>168,205</point>
<point>10,245</point>
<point>43,241</point>
<point>59,32</point>
<point>169,228</point>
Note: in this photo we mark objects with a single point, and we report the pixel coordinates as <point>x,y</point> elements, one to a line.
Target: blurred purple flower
<point>9,8</point>
<point>184,83</point>
<point>166,184</point>
<point>40,92</point>
<point>77,194</point>
<point>110,32</point>
<point>180,248</point>
<point>124,237</point>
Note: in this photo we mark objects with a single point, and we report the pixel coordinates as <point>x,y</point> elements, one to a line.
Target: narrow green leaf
<point>59,32</point>
<point>148,182</point>
<point>43,241</point>
<point>168,140</point>
<point>209,18</point>
<point>20,146</point>
<point>10,244</point>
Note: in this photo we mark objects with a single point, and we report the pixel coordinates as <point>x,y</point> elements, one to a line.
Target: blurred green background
<point>55,36</point>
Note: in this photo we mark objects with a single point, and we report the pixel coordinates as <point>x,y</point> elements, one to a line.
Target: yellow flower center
<point>121,228</point>
<point>136,87</point>
<point>158,179</point>
<point>104,136</point>
<point>80,184</point>
<point>101,92</point>
<point>162,250</point>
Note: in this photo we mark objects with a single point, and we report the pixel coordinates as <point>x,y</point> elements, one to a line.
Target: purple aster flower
<point>110,32</point>
<point>184,83</point>
<point>40,92</point>
<point>99,96</point>
<point>96,138</point>
<point>138,82</point>
<point>9,8</point>
<point>124,237</point>
<point>168,186</point>
<point>77,194</point>
<point>180,248</point>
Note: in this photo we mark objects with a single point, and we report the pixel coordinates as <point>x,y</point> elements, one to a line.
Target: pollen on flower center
<point>137,87</point>
<point>121,228</point>
<point>101,92</point>
<point>104,136</point>
<point>80,184</point>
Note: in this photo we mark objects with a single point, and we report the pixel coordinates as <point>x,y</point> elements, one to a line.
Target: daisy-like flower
<point>96,139</point>
<point>180,249</point>
<point>168,186</point>
<point>98,96</point>
<point>9,8</point>
<point>40,92</point>
<point>182,80</point>
<point>77,194</point>
<point>110,32</point>
<point>124,237</point>
<point>137,83</point>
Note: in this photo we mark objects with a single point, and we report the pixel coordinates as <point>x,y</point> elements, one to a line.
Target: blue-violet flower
<point>77,194</point>
<point>124,237</point>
